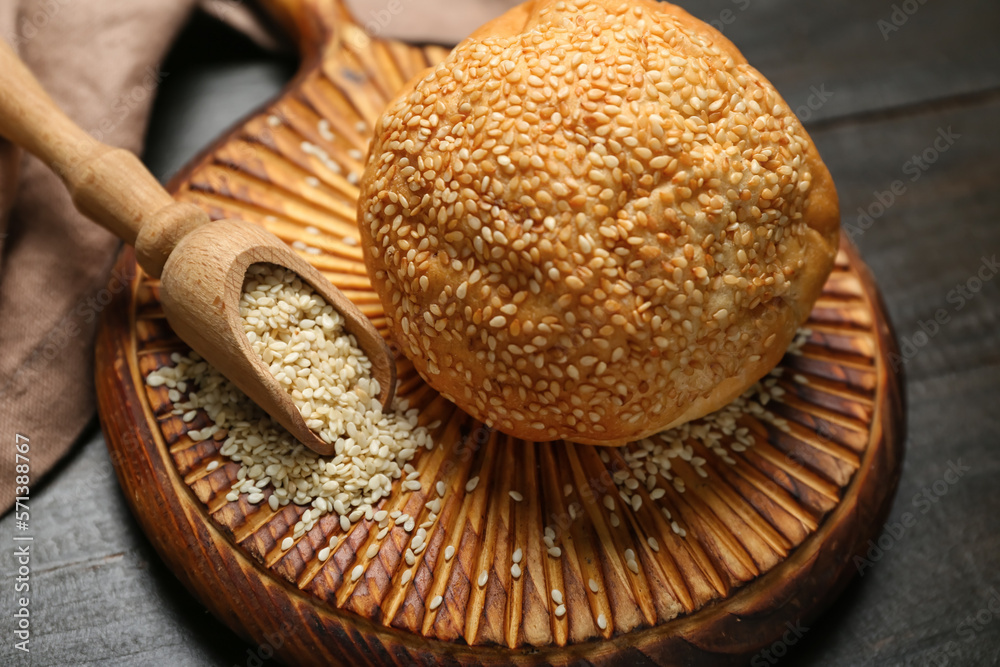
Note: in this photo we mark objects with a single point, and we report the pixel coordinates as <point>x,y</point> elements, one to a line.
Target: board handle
<point>109,185</point>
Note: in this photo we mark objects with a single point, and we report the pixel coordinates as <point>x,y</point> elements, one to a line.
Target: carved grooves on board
<point>294,170</point>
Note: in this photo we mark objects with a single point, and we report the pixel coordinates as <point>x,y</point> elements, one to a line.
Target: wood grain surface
<point>100,572</point>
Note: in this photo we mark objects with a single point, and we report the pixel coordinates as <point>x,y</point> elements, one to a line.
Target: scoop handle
<point>109,185</point>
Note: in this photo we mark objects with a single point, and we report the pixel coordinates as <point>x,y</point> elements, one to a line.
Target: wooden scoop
<point>202,264</point>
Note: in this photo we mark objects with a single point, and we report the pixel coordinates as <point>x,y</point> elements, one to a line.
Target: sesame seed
<point>602,622</point>
<point>357,572</point>
<point>517,555</point>
<point>287,543</point>
<point>471,485</point>
<point>516,496</point>
<point>449,552</point>
<point>483,577</point>
<point>555,552</point>
<point>593,586</point>
<point>557,596</point>
<point>560,611</point>
<point>436,602</point>
<point>515,570</point>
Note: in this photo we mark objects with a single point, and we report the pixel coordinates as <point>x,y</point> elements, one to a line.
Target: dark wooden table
<point>903,99</point>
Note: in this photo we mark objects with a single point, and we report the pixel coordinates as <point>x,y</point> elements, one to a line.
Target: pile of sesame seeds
<point>578,230</point>
<point>302,340</point>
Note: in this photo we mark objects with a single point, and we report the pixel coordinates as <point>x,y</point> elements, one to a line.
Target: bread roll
<point>594,221</point>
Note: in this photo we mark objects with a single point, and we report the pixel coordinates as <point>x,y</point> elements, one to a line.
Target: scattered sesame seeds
<point>652,459</point>
<point>324,130</point>
<point>631,562</point>
<point>324,157</point>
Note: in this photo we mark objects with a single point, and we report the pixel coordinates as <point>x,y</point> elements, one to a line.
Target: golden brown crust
<point>601,244</point>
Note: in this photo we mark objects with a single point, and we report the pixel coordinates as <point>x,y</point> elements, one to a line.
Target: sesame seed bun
<point>595,221</point>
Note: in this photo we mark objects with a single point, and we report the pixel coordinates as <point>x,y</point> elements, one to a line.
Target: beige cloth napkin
<point>54,265</point>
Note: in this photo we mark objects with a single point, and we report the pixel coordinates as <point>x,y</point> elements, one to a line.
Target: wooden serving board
<point>708,570</point>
